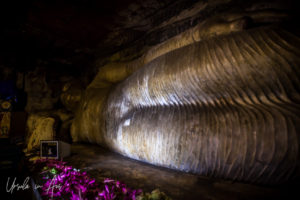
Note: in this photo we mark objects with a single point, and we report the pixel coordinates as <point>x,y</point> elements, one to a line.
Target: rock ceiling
<point>70,34</point>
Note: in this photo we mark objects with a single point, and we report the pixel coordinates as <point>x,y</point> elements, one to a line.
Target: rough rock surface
<point>39,95</point>
<point>71,94</point>
<point>40,127</point>
<point>225,107</point>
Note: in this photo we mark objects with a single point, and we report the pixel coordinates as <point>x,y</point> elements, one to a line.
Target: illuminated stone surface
<point>224,107</point>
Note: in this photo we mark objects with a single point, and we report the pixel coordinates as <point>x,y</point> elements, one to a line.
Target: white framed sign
<point>49,149</point>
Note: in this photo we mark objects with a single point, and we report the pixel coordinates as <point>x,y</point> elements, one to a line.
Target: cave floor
<point>101,163</point>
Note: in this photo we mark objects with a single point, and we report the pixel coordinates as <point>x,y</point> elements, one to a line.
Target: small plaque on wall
<point>49,149</point>
<point>52,149</point>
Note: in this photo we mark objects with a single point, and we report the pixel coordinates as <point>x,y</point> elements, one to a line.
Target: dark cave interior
<point>149,100</point>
